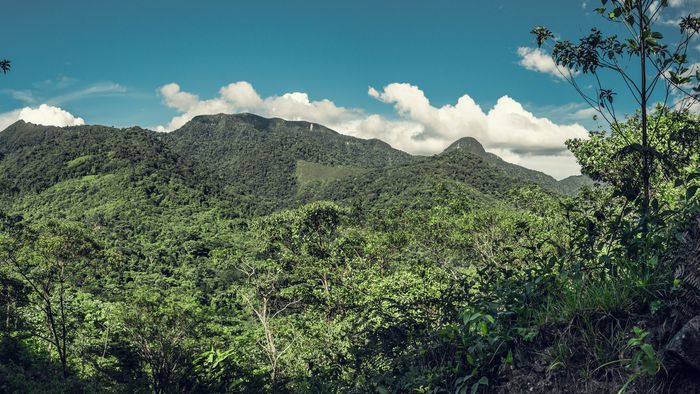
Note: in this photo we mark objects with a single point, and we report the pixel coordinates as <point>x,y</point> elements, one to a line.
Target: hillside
<point>258,156</point>
<point>253,163</point>
<point>122,183</point>
<point>135,182</point>
<point>568,186</point>
<point>275,161</point>
<point>35,157</point>
<point>422,179</point>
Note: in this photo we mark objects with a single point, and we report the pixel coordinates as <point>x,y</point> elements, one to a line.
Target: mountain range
<point>254,163</point>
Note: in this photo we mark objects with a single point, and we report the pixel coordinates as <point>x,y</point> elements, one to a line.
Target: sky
<point>416,74</point>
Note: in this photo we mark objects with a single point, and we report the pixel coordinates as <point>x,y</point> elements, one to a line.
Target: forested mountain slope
<point>163,189</point>
<point>258,156</point>
<point>122,183</point>
<point>34,157</point>
<point>254,164</point>
<point>568,186</point>
<point>469,173</point>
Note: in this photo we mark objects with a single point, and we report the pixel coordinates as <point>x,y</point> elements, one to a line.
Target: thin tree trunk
<point>7,317</point>
<point>645,138</point>
<point>64,333</point>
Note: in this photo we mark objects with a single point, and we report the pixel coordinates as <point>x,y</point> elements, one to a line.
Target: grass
<point>586,299</point>
<point>308,172</point>
<point>78,161</point>
<point>590,323</point>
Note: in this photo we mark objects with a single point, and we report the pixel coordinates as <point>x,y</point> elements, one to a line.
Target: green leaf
<point>484,328</point>
<point>690,193</point>
<point>484,381</point>
<point>382,390</point>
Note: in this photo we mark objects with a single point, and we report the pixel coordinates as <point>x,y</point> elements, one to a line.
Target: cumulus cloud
<point>242,97</point>
<point>505,126</point>
<point>507,129</point>
<point>44,115</point>
<point>683,3</point>
<point>419,127</point>
<point>536,59</point>
<point>678,10</point>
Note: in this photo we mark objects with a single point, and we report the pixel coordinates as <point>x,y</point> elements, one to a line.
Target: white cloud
<point>683,3</point>
<point>505,126</point>
<point>241,94</point>
<point>585,113</point>
<point>536,59</point>
<point>44,115</point>
<point>680,9</point>
<point>26,96</point>
<point>507,129</point>
<point>242,97</point>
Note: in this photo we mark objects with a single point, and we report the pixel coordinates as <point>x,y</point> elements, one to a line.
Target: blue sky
<point>108,62</point>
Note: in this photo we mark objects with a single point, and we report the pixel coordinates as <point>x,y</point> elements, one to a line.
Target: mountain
<point>122,183</point>
<point>456,170</point>
<point>254,164</point>
<point>276,162</point>
<point>257,156</point>
<point>571,185</point>
<point>34,157</point>
<point>171,242</point>
<point>568,186</point>
<point>468,144</point>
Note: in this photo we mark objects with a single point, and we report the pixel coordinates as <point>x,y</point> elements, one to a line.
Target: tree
<point>48,260</point>
<point>658,65</point>
<point>159,327</point>
<point>292,272</point>
<point>679,152</point>
<point>5,65</point>
<point>303,238</point>
<point>263,294</point>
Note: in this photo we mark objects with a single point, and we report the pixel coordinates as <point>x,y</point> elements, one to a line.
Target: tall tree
<point>46,260</point>
<point>661,71</point>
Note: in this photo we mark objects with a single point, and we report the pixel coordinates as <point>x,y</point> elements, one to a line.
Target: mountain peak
<point>18,124</point>
<point>468,144</point>
<point>222,117</point>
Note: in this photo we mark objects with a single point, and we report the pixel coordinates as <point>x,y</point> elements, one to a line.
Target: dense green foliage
<point>231,256</point>
<point>257,157</point>
<point>270,161</point>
